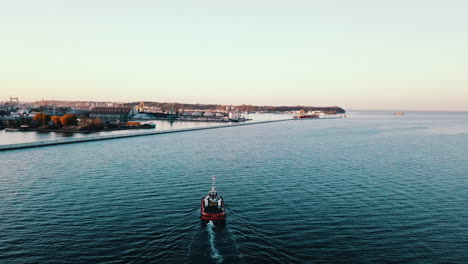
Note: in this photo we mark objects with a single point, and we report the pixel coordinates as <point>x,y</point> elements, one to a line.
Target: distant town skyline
<point>409,55</point>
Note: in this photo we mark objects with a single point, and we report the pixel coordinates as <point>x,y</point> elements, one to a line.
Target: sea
<point>369,188</point>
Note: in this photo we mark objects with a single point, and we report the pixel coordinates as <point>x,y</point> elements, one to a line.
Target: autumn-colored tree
<point>46,119</point>
<point>56,120</point>
<point>42,118</point>
<point>69,120</point>
<point>38,117</point>
<point>97,123</point>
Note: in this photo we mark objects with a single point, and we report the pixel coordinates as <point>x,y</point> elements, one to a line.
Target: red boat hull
<point>212,216</point>
<point>306,116</point>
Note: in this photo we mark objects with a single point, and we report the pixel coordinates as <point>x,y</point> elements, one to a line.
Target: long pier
<point>117,136</point>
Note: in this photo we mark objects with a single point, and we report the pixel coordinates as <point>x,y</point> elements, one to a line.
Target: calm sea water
<point>371,188</point>
<point>8,137</point>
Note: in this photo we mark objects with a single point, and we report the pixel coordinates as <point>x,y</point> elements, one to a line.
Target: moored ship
<point>302,115</point>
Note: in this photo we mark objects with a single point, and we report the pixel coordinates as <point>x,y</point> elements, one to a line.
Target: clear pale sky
<point>364,54</point>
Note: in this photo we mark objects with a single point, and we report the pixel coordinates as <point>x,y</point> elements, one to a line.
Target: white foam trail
<point>214,252</point>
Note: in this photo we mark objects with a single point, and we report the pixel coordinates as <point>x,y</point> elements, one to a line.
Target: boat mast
<point>213,182</point>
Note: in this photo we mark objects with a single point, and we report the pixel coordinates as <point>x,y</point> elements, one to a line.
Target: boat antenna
<point>213,181</point>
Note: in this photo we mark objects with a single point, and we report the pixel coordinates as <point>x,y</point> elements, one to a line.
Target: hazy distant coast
<point>167,106</point>
<point>246,108</point>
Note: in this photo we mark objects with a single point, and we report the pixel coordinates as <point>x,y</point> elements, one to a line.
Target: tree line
<point>65,120</point>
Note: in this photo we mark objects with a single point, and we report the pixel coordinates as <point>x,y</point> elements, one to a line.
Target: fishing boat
<point>9,129</point>
<point>212,206</point>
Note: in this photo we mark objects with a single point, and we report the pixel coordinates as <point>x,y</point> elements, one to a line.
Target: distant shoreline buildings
<point>14,113</point>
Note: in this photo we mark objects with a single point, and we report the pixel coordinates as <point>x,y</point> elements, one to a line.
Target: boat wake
<point>211,236</point>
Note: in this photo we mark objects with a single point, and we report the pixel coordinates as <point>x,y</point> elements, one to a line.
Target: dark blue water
<point>371,188</point>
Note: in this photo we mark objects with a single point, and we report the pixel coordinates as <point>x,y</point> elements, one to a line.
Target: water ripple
<point>359,190</point>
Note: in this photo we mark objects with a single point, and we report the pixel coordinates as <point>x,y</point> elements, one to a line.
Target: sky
<point>361,54</point>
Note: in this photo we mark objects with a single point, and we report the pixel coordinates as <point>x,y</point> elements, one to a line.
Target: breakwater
<point>133,134</point>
